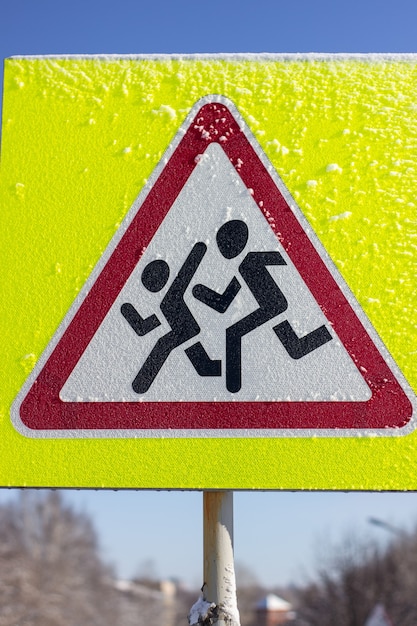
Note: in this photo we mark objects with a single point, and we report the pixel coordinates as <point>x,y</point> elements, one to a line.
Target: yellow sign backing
<point>82,135</point>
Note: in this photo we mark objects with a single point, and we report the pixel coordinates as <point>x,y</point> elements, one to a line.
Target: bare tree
<point>359,575</point>
<point>51,573</point>
<point>50,570</point>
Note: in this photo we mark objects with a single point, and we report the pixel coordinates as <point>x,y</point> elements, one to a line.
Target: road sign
<point>236,312</point>
<point>212,313</point>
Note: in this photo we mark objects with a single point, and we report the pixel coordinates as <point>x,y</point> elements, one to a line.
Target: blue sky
<point>280,536</point>
<point>132,26</point>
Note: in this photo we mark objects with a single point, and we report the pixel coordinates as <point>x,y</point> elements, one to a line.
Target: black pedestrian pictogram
<point>232,239</point>
<point>176,312</point>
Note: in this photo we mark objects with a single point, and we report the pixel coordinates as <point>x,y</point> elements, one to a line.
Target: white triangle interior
<point>213,195</point>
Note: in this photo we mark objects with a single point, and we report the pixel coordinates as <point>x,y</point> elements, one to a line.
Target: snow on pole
<point>218,603</point>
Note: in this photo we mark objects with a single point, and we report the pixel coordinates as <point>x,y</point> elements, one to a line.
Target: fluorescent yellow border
<point>80,138</point>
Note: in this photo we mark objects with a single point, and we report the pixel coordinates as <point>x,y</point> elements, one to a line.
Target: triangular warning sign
<point>214,311</point>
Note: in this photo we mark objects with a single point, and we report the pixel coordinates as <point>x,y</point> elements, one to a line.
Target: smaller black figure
<point>231,239</point>
<point>176,312</point>
<point>154,278</point>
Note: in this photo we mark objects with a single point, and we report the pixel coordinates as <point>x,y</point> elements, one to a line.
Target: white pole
<point>219,570</point>
<point>218,603</point>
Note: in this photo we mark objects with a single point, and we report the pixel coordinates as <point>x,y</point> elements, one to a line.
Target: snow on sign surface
<point>214,312</point>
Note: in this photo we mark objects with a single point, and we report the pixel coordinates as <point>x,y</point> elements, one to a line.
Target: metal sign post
<point>218,604</point>
<point>219,570</point>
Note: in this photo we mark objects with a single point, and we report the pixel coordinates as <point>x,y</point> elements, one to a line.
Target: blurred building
<point>273,611</point>
<point>148,602</point>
